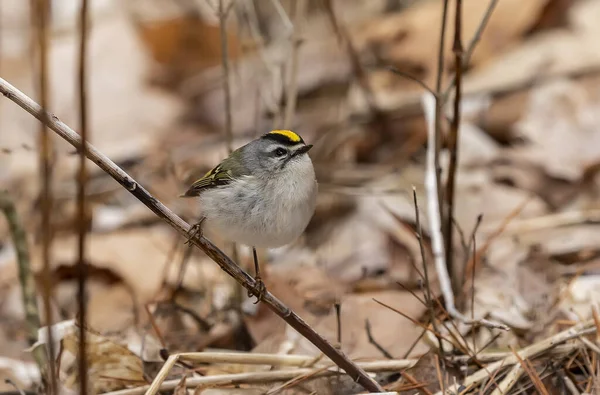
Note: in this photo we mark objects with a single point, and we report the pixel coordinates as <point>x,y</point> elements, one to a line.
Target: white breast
<point>263,214</point>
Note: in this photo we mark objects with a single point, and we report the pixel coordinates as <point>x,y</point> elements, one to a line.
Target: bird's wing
<point>216,177</point>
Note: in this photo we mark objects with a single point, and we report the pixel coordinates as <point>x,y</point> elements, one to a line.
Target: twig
<point>556,220</point>
<point>280,359</point>
<point>528,352</point>
<point>535,378</point>
<point>32,317</point>
<point>223,13</point>
<point>81,220</point>
<point>466,58</point>
<point>374,342</point>
<point>453,148</point>
<point>570,385</point>
<point>474,260</point>
<point>428,297</point>
<point>292,86</point>
<point>413,79</point>
<point>338,316</point>
<point>435,224</point>
<point>439,104</point>
<point>46,165</point>
<point>254,377</point>
<point>357,67</point>
<point>183,228</point>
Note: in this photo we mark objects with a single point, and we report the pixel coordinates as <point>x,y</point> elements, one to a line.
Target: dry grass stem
<point>435,223</point>
<point>449,193</point>
<point>183,228</point>
<point>82,360</point>
<point>254,377</point>
<point>292,67</point>
<point>26,280</point>
<point>551,221</point>
<point>40,12</point>
<point>528,352</point>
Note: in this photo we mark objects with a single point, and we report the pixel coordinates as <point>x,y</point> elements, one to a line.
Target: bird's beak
<point>302,150</point>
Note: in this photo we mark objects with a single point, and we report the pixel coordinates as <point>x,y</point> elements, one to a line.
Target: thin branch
<point>357,67</point>
<point>453,148</point>
<point>439,104</point>
<point>184,228</point>
<point>223,13</point>
<point>428,297</point>
<point>46,165</point>
<point>413,79</point>
<point>81,206</point>
<point>159,383</point>
<point>527,352</point>
<point>435,223</point>
<point>292,85</point>
<point>466,58</point>
<point>28,294</point>
<point>374,342</point>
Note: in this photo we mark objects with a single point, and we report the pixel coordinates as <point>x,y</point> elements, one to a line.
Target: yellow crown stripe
<point>287,133</point>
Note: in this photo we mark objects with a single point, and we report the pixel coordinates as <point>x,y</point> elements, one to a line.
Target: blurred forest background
<point>349,77</point>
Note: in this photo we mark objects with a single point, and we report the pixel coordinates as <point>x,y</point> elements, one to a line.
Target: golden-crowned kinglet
<point>262,195</point>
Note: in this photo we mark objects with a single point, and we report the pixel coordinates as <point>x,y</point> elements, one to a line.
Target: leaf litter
<point>527,165</point>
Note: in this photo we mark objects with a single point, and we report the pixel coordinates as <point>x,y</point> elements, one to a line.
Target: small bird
<point>263,195</point>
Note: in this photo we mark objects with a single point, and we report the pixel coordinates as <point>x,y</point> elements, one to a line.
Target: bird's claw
<point>259,291</point>
<point>195,231</point>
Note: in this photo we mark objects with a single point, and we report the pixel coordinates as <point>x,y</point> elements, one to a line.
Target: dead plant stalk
<point>40,14</point>
<point>457,48</point>
<point>289,316</point>
<point>435,223</point>
<point>81,201</point>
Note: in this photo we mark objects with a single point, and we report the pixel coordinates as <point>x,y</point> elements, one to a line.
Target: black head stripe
<point>282,139</point>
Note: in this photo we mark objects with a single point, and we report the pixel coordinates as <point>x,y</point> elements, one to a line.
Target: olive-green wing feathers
<point>222,174</point>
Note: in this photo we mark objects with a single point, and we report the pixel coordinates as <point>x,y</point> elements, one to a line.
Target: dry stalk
<point>427,294</point>
<point>223,13</point>
<point>435,223</point>
<point>357,67</point>
<point>40,15</point>
<point>26,280</point>
<point>472,44</point>
<point>81,201</point>
<point>530,351</point>
<point>439,105</point>
<point>183,228</point>
<point>449,194</point>
<point>550,221</point>
<point>292,88</point>
<point>253,377</point>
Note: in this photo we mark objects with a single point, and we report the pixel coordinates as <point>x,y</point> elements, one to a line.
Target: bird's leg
<point>195,230</point>
<point>259,283</point>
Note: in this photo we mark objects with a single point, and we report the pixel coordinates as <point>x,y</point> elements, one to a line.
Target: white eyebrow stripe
<point>274,146</point>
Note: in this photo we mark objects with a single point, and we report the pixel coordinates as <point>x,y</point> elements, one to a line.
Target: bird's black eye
<point>280,152</point>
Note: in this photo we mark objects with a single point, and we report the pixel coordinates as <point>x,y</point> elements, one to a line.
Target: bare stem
<point>292,86</point>
<point>46,163</point>
<point>223,13</point>
<point>435,223</point>
<point>439,103</point>
<point>28,294</point>
<point>61,129</point>
<point>81,202</point>
<point>472,44</point>
<point>457,48</point>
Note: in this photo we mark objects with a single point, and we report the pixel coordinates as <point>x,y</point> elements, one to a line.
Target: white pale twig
<point>435,223</point>
<point>531,351</point>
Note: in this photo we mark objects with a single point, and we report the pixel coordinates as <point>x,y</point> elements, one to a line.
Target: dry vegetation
<point>356,78</point>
